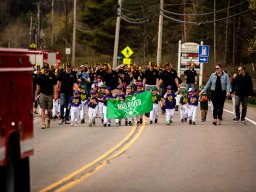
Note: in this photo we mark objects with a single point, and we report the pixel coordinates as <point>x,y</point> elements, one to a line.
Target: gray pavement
<point>179,157</point>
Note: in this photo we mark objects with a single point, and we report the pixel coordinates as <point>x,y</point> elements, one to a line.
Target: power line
<point>134,21</point>
<point>208,13</point>
<point>204,22</point>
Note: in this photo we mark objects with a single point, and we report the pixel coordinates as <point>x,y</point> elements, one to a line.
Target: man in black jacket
<point>242,88</point>
<point>66,80</point>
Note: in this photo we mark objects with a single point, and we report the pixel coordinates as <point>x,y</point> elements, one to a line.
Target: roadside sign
<point>68,51</point>
<point>203,59</point>
<point>127,52</point>
<point>126,61</point>
<point>203,50</point>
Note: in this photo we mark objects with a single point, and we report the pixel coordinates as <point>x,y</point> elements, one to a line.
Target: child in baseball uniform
<point>75,103</point>
<point>184,106</point>
<point>101,94</point>
<point>108,95</point>
<point>170,103</point>
<point>139,90</point>
<point>92,103</point>
<point>204,106</point>
<point>120,96</point>
<point>83,95</point>
<point>156,98</point>
<point>193,99</point>
<point>128,121</point>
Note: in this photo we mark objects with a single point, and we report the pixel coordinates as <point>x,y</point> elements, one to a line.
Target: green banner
<point>133,105</point>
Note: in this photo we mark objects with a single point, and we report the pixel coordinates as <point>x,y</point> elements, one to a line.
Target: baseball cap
<point>154,88</point>
<point>169,87</point>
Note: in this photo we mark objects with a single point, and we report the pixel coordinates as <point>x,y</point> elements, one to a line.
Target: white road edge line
<point>253,122</point>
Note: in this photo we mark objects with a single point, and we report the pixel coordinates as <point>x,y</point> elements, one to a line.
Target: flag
<point>133,105</point>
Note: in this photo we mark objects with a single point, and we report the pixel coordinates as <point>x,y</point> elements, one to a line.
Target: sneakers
<point>236,119</point>
<point>138,123</point>
<point>61,121</point>
<point>108,124</point>
<point>214,122</point>
<point>243,121</point>
<point>151,122</point>
<point>168,123</point>
<point>82,121</point>
<point>104,124</point>
<point>194,123</point>
<point>67,122</point>
<point>71,124</point>
<point>93,123</point>
<point>130,123</point>
<point>43,126</point>
<point>218,122</point>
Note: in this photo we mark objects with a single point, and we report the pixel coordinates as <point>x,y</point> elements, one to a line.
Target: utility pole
<point>38,25</point>
<point>118,21</point>
<point>214,35</point>
<point>52,36</point>
<point>184,24</point>
<point>160,33</point>
<point>30,30</point>
<point>74,36</point>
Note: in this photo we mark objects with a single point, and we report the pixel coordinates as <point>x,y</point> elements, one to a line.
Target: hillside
<point>96,20</point>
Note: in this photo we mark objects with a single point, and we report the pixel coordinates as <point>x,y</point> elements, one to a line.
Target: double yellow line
<point>96,165</point>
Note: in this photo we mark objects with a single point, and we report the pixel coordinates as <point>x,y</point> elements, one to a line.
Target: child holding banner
<point>128,121</point>
<point>139,90</point>
<point>121,96</point>
<point>108,95</point>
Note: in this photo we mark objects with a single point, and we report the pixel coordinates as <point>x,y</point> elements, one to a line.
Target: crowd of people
<point>74,94</point>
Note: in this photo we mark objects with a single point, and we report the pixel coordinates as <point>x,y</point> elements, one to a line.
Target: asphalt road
<point>179,157</point>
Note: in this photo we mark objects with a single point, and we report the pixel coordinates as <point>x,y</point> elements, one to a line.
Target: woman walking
<point>219,84</point>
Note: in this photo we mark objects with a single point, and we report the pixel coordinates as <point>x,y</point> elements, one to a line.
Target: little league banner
<point>133,105</point>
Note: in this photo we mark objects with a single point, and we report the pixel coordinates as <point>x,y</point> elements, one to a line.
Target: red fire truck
<point>39,57</point>
<point>16,120</point>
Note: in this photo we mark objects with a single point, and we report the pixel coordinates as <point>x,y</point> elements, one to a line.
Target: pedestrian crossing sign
<point>127,52</point>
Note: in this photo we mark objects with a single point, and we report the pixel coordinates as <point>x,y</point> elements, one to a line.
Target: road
<point>179,157</point>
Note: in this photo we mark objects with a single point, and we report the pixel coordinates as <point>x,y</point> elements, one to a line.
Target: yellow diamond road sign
<point>127,52</point>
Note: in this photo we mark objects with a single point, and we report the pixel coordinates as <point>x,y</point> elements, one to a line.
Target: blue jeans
<point>190,85</point>
<point>238,100</point>
<point>64,103</point>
